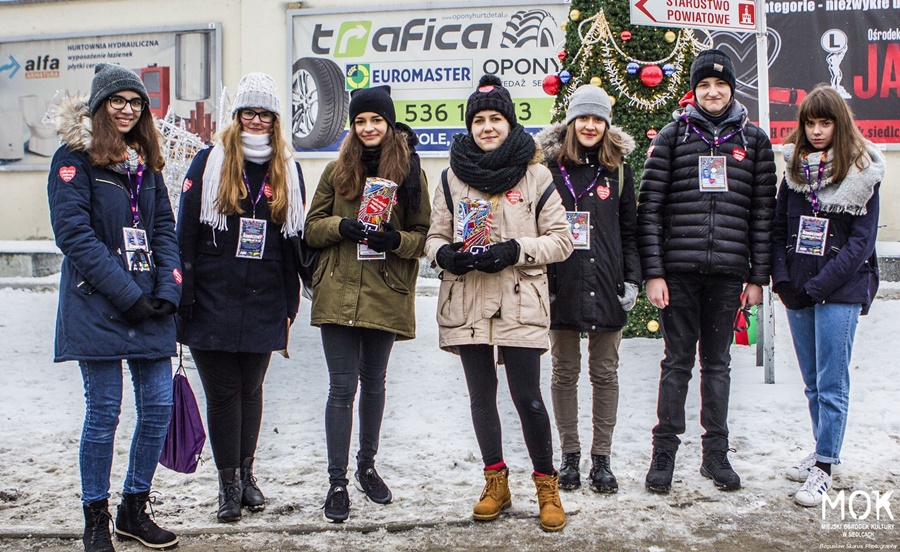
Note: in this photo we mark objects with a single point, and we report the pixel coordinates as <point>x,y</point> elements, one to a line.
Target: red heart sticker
<point>513,196</point>
<point>267,190</point>
<point>67,173</point>
<point>602,192</point>
<point>739,154</point>
<point>177,275</point>
<point>187,185</point>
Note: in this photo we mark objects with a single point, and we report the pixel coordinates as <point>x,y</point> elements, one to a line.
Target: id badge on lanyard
<point>252,240</point>
<point>812,235</point>
<point>137,253</point>
<point>580,224</point>
<point>713,177</point>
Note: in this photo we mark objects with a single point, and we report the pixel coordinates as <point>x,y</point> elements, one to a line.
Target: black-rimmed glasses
<point>118,103</point>
<point>264,116</point>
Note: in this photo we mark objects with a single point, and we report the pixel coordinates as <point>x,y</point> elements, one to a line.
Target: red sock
<point>539,474</point>
<point>496,467</point>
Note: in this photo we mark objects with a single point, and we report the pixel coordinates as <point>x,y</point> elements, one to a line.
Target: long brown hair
<point>349,174</point>
<point>848,147</point>
<point>610,152</point>
<point>108,144</point>
<point>232,189</point>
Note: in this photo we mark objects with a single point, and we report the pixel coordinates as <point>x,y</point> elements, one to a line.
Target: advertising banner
<point>432,58</point>
<point>181,68</point>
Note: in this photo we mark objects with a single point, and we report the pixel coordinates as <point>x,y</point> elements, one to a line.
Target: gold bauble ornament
<point>653,325</point>
<point>563,26</point>
<point>612,100</point>
<point>670,36</point>
<point>575,15</point>
<point>596,81</point>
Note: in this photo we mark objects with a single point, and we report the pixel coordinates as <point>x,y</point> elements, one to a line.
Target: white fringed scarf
<point>256,149</point>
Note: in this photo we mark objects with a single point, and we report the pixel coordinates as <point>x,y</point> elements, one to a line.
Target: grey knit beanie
<point>256,90</point>
<point>490,95</point>
<point>589,100</point>
<point>712,63</point>
<point>109,79</point>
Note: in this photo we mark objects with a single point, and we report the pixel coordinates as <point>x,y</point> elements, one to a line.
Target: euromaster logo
<point>352,39</point>
<point>357,76</point>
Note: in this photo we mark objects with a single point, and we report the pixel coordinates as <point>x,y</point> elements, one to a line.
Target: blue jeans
<point>152,380</point>
<point>823,339</point>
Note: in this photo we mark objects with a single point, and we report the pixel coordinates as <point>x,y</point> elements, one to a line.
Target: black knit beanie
<point>712,63</point>
<point>375,100</point>
<point>490,95</point>
<point>109,79</point>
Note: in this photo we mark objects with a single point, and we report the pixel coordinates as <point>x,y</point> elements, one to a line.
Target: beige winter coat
<point>511,307</point>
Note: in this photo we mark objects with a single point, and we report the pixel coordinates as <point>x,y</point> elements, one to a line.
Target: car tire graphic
<point>529,28</point>
<point>320,103</point>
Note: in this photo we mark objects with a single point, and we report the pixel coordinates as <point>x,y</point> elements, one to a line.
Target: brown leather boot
<point>553,518</point>
<point>495,496</point>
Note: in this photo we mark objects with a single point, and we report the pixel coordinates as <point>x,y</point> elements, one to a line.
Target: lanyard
<point>813,198</point>
<point>262,189</point>
<point>712,145</point>
<point>135,191</point>
<point>568,182</point>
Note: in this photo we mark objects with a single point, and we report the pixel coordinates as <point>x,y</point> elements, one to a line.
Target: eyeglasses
<point>118,103</point>
<point>264,116</point>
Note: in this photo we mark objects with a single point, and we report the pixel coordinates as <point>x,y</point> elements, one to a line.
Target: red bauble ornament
<point>552,84</point>
<point>651,134</point>
<point>626,35</point>
<point>562,55</point>
<point>651,75</point>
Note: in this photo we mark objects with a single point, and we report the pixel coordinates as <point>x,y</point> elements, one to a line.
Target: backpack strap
<point>447,197</point>
<point>543,199</point>
<point>621,177</point>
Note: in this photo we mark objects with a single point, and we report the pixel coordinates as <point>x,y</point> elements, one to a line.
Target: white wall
<point>254,35</point>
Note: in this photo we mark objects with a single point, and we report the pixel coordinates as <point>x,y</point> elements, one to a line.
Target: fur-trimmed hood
<point>72,119</point>
<point>550,140</point>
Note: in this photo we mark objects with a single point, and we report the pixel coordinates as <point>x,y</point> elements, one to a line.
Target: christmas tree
<point>645,70</point>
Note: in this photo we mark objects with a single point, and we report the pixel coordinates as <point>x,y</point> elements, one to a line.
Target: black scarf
<point>409,191</point>
<point>492,172</point>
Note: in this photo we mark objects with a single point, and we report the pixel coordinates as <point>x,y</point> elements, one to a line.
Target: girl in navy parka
<point>824,267</point>
<point>119,288</point>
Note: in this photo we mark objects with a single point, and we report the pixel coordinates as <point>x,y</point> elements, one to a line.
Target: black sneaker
<point>662,468</point>
<point>717,467</point>
<point>569,476</point>
<point>371,483</point>
<point>337,504</point>
<point>602,478</point>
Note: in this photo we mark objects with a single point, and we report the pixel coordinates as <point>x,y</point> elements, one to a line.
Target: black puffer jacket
<point>680,228</point>
<point>584,288</point>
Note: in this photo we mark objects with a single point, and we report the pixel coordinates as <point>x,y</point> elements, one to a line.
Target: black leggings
<point>523,374</point>
<point>233,383</point>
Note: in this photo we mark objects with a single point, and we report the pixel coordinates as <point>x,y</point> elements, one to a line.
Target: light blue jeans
<point>823,339</point>
<point>152,381</point>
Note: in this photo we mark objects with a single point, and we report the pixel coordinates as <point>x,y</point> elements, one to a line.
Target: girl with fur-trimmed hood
<point>593,290</point>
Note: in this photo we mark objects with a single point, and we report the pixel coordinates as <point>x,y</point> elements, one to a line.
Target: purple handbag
<point>186,437</point>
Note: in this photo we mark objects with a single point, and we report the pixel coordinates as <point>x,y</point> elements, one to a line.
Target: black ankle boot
<point>96,527</point>
<point>229,495</point>
<point>602,478</point>
<point>133,523</point>
<point>251,496</point>
<point>569,476</point>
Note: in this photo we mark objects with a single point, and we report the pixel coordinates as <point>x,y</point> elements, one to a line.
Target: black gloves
<point>499,256</point>
<point>450,259</point>
<point>388,240</point>
<point>140,311</point>
<point>161,308</point>
<point>792,298</point>
<point>352,230</point>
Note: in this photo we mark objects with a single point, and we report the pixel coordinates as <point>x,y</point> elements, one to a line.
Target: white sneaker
<point>800,472</point>
<point>817,484</point>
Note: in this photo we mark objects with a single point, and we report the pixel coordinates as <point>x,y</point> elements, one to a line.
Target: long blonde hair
<point>232,189</point>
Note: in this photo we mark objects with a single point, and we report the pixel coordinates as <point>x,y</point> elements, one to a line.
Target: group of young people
<point>570,248</point>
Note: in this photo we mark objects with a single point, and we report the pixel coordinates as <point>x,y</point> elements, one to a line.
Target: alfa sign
<point>737,15</point>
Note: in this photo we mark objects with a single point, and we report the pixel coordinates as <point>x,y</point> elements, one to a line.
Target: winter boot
<point>133,523</point>
<point>662,468</point>
<point>553,518</point>
<point>229,495</point>
<point>717,467</point>
<point>251,496</point>
<point>495,496</point>
<point>602,478</point>
<point>569,476</point>
<point>96,527</point>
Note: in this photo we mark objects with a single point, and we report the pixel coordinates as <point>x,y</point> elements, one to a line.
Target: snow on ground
<point>430,458</point>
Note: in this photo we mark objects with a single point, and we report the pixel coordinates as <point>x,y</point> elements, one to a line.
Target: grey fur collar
<point>72,119</point>
<point>550,140</point>
<point>849,196</point>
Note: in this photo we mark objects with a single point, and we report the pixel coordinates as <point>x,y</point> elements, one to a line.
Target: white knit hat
<point>256,90</point>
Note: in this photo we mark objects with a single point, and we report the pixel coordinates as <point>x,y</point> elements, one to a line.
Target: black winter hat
<point>375,100</point>
<point>109,79</point>
<point>712,63</point>
<point>490,95</point>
